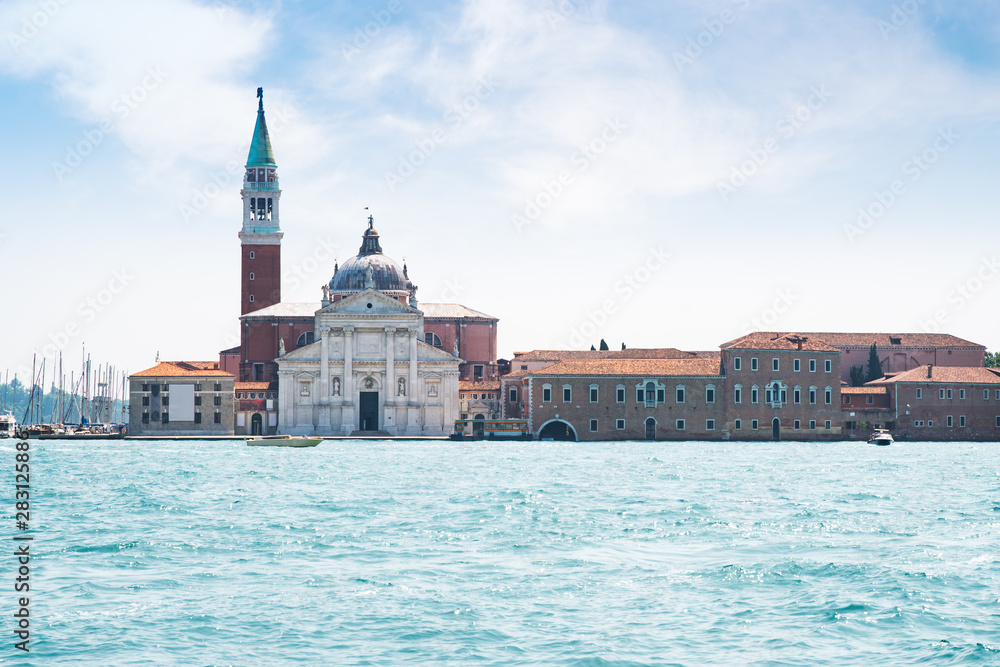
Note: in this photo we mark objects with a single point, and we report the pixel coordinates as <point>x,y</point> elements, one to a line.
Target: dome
<point>387,276</point>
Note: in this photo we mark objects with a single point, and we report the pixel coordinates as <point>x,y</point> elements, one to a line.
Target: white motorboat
<point>881,437</point>
<point>282,441</point>
<point>8,425</point>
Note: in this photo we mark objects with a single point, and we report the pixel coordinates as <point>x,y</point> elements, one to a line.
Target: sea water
<point>531,553</point>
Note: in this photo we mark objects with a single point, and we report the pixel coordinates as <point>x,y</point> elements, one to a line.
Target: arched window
<point>251,254</point>
<point>251,298</point>
<point>308,338</point>
<point>251,275</point>
<point>432,338</point>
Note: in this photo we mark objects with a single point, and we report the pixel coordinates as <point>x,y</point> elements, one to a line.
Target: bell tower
<point>260,237</point>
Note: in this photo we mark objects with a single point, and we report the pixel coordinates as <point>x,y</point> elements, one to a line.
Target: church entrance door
<point>369,411</point>
<point>256,425</point>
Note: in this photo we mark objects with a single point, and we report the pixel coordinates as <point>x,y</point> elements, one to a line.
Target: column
<point>347,385</point>
<point>390,365</point>
<point>324,366</point>
<point>411,389</point>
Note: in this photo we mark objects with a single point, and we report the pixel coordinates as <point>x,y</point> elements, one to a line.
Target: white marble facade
<point>369,370</point>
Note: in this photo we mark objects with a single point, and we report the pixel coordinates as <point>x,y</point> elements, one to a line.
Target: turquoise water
<point>361,553</point>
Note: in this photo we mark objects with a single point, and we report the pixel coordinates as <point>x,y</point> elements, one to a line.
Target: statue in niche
<point>369,383</point>
<point>432,390</point>
<point>336,386</point>
<point>304,389</point>
<point>281,347</point>
<point>401,391</point>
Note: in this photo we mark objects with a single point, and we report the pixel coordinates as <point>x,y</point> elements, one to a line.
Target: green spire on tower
<point>261,154</point>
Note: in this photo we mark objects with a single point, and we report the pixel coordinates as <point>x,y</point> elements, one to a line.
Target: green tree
<point>593,349</point>
<point>874,365</point>
<point>992,360</point>
<point>857,376</point>
<point>604,345</point>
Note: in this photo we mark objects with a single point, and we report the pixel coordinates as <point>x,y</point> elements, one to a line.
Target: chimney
<point>929,367</point>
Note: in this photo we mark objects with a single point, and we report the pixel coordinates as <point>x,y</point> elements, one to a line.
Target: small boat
<point>8,425</point>
<point>282,441</point>
<point>880,437</point>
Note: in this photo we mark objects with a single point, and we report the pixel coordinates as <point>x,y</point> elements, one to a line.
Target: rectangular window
<point>797,365</point>
<point>997,395</point>
<point>917,423</point>
<point>620,395</point>
<point>218,386</point>
<point>593,394</point>
<point>217,400</point>
<point>738,395</point>
<point>930,422</point>
<point>709,424</point>
<point>166,400</point>
<point>218,417</point>
<point>461,396</point>
<point>797,396</point>
<point>812,424</point>
<point>145,387</point>
<point>949,394</point>
<point>145,400</point>
<point>774,364</point>
<point>197,400</point>
<point>737,364</point>
<point>546,394</point>
<point>680,394</point>
<point>738,424</point>
<point>620,424</point>
<point>998,422</point>
<point>828,425</point>
<point>477,372</point>
<point>710,395</point>
<point>197,418</point>
<point>828,366</point>
<point>593,426</point>
<point>920,393</point>
<point>797,425</point>
<point>753,424</point>
<point>847,400</point>
<point>166,418</point>
<point>567,395</point>
<point>145,417</point>
<point>680,424</point>
<point>753,395</point>
<point>961,394</point>
<point>870,400</point>
<point>513,395</point>
<point>661,395</point>
<point>812,365</point>
<point>812,396</point>
<point>950,421</point>
<point>640,395</point>
<point>258,373</point>
<point>197,386</point>
<point>828,396</point>
<point>961,420</point>
<point>986,394</point>
<point>475,397</point>
<point>753,363</point>
<point>941,394</point>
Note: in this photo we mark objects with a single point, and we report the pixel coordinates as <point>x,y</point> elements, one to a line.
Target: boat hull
<point>283,442</point>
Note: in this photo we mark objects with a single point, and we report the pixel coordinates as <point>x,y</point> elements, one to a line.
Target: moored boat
<point>8,425</point>
<point>282,441</point>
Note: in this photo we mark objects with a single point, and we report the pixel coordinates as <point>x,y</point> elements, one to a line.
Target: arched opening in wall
<point>650,429</point>
<point>479,427</point>
<point>776,429</point>
<point>432,338</point>
<point>257,425</point>
<point>557,430</point>
<point>308,338</point>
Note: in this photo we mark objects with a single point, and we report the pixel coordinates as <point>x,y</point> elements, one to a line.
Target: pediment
<point>427,352</point>
<point>358,304</point>
<point>309,352</point>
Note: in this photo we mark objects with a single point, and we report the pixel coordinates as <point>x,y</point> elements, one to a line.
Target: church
<point>366,359</point>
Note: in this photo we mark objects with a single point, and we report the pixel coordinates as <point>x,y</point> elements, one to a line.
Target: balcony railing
<point>273,185</point>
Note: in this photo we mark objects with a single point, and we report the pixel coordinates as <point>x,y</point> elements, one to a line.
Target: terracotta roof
<point>517,374</point>
<point>654,353</point>
<point>628,353</point>
<point>883,340</point>
<point>633,367</point>
<point>946,375</point>
<point>559,355</point>
<point>765,340</point>
<point>256,386</point>
<point>451,311</point>
<point>184,369</point>
<point>488,385</point>
<point>861,391</point>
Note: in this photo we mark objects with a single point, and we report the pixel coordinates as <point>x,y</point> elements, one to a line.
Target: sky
<point>663,174</point>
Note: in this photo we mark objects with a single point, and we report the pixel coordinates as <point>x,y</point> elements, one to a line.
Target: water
<point>381,553</point>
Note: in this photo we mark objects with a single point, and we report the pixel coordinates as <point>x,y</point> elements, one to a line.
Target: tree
<point>874,365</point>
<point>992,360</point>
<point>857,376</point>
<point>623,346</point>
<point>604,345</point>
<point>593,349</point>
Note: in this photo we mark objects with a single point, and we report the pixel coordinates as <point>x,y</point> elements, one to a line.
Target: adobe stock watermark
<point>783,301</point>
<point>899,17</point>
<point>363,35</point>
<point>580,160</point>
<point>785,129</point>
<point>121,109</point>
<point>714,29</point>
<point>624,289</point>
<point>962,294</point>
<point>914,169</point>
<point>36,22</point>
<point>562,13</point>
<point>87,311</point>
<point>455,117</point>
<point>234,171</point>
<point>322,255</point>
